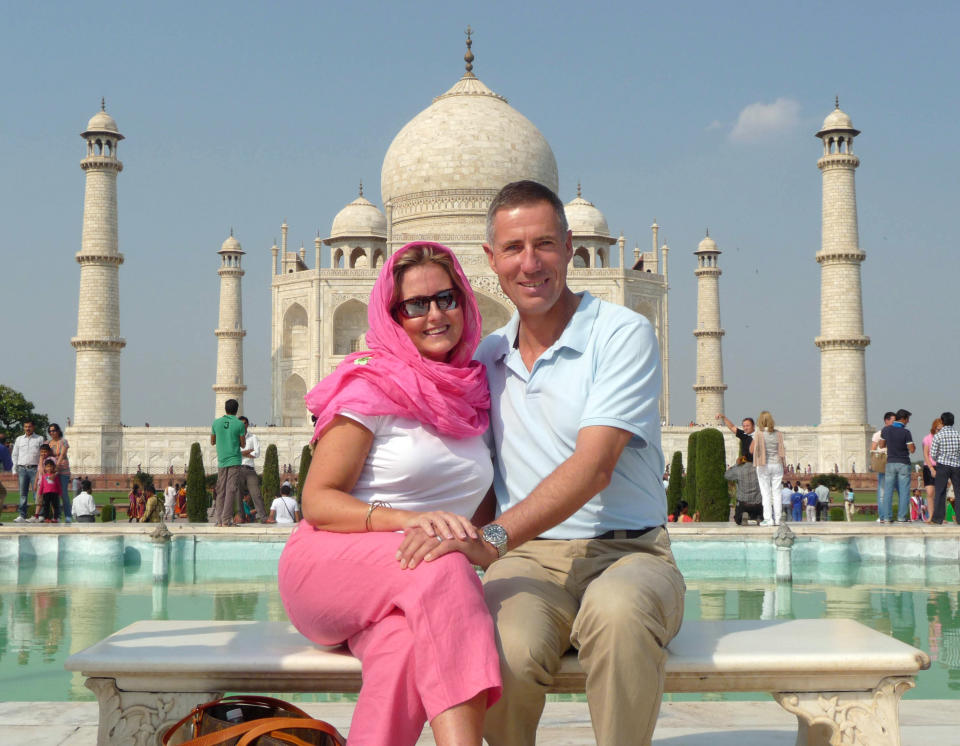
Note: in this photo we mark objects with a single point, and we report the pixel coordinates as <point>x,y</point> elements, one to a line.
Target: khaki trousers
<point>618,601</point>
<point>250,482</point>
<point>226,495</point>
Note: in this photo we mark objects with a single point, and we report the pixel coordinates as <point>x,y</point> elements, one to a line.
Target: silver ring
<point>440,539</point>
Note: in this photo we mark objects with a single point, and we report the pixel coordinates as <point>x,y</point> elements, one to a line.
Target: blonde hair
<point>416,256</point>
<point>935,426</point>
<point>765,422</point>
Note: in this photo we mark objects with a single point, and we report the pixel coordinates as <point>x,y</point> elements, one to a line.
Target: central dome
<point>468,140</point>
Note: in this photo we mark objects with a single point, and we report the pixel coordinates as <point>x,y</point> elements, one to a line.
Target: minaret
<point>709,384</point>
<point>665,340</point>
<point>98,342</point>
<point>843,384</point>
<point>230,331</point>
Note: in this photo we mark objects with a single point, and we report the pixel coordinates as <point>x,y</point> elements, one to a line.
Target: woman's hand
<point>443,524</point>
<point>418,546</point>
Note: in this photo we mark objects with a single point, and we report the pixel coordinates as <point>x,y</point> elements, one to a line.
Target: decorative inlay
<point>842,343</point>
<point>231,333</point>
<point>98,343</point>
<point>101,163</point>
<point>86,258</point>
<point>337,298</point>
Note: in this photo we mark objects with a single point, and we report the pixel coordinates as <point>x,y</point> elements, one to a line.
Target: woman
<point>769,457</point>
<point>59,448</point>
<point>930,466</point>
<point>399,447</point>
<point>133,504</point>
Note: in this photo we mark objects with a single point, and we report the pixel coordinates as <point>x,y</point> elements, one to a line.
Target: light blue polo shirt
<point>604,370</point>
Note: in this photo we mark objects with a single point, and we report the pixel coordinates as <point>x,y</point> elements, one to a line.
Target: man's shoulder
<point>613,316</point>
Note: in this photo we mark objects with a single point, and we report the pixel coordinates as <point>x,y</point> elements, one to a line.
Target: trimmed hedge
<point>306,455</point>
<point>836,482</point>
<point>198,500</point>
<point>270,484</point>
<point>675,486</point>
<point>108,513</point>
<point>713,493</point>
<point>690,483</point>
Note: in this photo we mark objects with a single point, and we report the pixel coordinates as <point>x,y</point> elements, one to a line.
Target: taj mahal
<point>438,177</point>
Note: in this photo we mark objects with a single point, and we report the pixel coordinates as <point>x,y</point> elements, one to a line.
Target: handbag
<point>240,720</point>
<point>878,461</point>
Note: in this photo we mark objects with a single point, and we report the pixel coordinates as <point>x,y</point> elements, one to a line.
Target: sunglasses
<point>414,308</point>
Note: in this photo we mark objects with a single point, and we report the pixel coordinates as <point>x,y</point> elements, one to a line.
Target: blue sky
<point>697,114</point>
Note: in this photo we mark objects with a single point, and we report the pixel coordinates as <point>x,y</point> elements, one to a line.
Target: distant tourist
<point>898,441</point>
<point>169,501</point>
<point>59,447</point>
<point>786,495</point>
<point>744,434</point>
<point>796,504</point>
<point>284,508</point>
<point>945,453</point>
<point>929,465</point>
<point>749,501</point>
<point>26,455</point>
<point>151,506</point>
<point>6,463</point>
<point>878,460</point>
<point>823,502</point>
<point>84,508</point>
<point>769,456</point>
<point>248,470</point>
<point>227,434</point>
<point>45,453</point>
<point>48,491</point>
<point>133,504</point>
<point>849,506</point>
<point>810,503</point>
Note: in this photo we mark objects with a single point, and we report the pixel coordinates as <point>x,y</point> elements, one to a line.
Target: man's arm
<point>213,439</point>
<point>728,423</point>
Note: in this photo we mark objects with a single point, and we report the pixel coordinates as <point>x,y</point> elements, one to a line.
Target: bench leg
<point>868,718</point>
<point>139,718</point>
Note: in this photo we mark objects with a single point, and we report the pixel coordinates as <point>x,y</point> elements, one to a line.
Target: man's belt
<point>618,533</point>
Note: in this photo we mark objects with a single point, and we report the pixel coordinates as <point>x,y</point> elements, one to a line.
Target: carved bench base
<point>868,718</point>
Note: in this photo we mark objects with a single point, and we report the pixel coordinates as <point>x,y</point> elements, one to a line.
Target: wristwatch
<point>495,534</point>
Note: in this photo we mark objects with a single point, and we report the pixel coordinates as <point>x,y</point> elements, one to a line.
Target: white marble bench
<point>841,679</point>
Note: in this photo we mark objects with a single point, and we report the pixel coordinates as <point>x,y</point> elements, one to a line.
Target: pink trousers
<point>424,636</point>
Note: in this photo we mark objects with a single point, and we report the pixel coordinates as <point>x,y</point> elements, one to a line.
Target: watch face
<point>496,535</point>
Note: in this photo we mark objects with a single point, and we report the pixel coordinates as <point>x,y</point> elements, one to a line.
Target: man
<point>84,508</point>
<point>744,434</point>
<point>899,444</point>
<point>823,502</point>
<point>249,481</point>
<point>749,500</point>
<point>945,453</point>
<point>786,501</point>
<point>26,456</point>
<point>810,499</point>
<point>227,436</point>
<point>878,461</point>
<point>578,555</point>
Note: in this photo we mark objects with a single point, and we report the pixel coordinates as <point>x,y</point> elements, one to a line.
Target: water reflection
<point>47,613</point>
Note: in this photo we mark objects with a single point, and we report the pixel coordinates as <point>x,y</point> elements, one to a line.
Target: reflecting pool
<point>50,610</point>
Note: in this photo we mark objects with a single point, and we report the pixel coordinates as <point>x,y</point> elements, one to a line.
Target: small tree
<point>675,486</point>
<point>270,486</point>
<point>834,482</point>
<point>198,499</point>
<point>713,494</point>
<point>306,455</point>
<point>143,479</point>
<point>15,410</point>
<point>690,483</point>
<point>108,513</point>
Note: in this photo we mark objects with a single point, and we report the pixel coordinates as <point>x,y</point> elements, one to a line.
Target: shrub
<point>675,486</point>
<point>306,455</point>
<point>713,493</point>
<point>198,499</point>
<point>835,482</point>
<point>690,483</point>
<point>108,513</point>
<point>270,486</point>
<point>210,481</point>
<point>143,479</point>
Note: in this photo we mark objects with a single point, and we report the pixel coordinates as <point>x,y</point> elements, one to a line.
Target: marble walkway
<point>923,723</point>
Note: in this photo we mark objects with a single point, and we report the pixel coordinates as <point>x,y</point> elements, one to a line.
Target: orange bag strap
<point>267,725</point>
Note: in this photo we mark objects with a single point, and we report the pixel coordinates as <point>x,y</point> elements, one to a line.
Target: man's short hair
<point>888,415</point>
<point>285,490</point>
<point>231,406</point>
<point>244,420</point>
<point>526,192</point>
<point>903,414</point>
<point>947,419</point>
<point>750,420</point>
<point>28,422</point>
<point>85,485</point>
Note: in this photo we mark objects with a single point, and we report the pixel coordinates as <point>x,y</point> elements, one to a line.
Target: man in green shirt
<point>227,434</point>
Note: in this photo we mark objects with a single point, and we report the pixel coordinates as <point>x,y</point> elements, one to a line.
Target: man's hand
<point>418,546</point>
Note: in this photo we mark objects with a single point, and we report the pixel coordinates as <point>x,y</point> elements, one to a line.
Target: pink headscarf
<point>393,378</point>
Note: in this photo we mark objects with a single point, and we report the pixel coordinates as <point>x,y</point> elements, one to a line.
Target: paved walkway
<point>923,723</point>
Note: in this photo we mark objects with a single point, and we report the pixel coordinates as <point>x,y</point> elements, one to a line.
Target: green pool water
<point>49,613</point>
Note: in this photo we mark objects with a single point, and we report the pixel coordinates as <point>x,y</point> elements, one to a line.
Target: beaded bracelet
<point>373,506</point>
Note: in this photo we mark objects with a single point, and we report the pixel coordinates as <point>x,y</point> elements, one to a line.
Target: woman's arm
<point>61,452</point>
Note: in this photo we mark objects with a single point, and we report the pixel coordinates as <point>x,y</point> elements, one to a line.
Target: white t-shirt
<point>284,509</point>
<point>413,467</point>
<point>83,504</point>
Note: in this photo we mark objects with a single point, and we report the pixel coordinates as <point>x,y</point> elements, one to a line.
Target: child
<point>84,508</point>
<point>810,500</point>
<point>48,490</point>
<point>45,453</point>
<point>915,506</point>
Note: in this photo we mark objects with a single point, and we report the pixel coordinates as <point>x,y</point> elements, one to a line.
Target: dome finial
<point>578,189</point>
<point>361,187</point>
<point>103,103</point>
<point>468,57</point>
<point>708,233</point>
<point>231,231</point>
<point>836,102</point>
